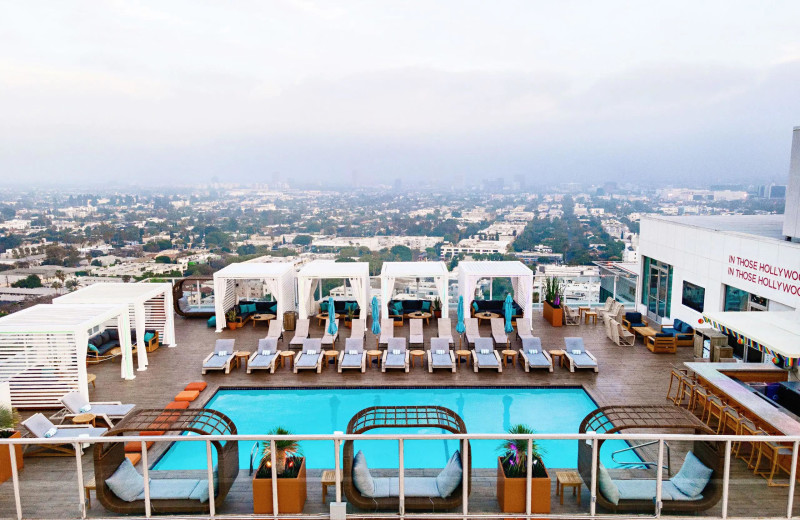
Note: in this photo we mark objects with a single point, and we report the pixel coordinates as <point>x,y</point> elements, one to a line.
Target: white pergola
<point>277,279</point>
<point>470,273</point>
<point>391,271</point>
<point>43,350</point>
<point>149,308</point>
<point>357,273</point>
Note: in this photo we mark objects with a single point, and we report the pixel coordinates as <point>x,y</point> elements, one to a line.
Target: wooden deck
<point>628,375</point>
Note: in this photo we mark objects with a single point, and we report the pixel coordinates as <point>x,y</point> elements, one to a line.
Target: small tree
<point>283,449</point>
<point>514,457</point>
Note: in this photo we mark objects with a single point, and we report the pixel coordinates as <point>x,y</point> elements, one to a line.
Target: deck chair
<point>607,319</point>
<point>606,308</point>
<point>310,357</point>
<point>415,336</point>
<point>620,335</point>
<point>531,355</point>
<point>221,358</point>
<point>445,329</point>
<point>440,355</point>
<point>578,356</point>
<point>499,331</point>
<point>300,333</point>
<point>524,329</point>
<point>109,411</point>
<point>485,356</point>
<point>387,330</point>
<point>353,356</point>
<point>275,330</point>
<point>358,328</point>
<point>395,355</point>
<point>40,427</point>
<point>330,339</point>
<point>265,356</point>
<point>472,331</point>
<point>570,318</point>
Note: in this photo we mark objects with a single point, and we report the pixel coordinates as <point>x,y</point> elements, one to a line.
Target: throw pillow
<point>323,307</point>
<point>148,336</point>
<point>361,476</point>
<point>49,433</point>
<point>426,306</point>
<point>266,352</point>
<point>607,486</point>
<point>693,477</point>
<point>126,482</point>
<point>440,352</point>
<point>398,308</point>
<point>475,306</point>
<point>396,352</point>
<point>222,353</point>
<point>85,408</point>
<point>94,349</point>
<point>450,477</point>
<point>311,352</point>
<point>533,351</point>
<point>576,352</point>
<point>353,352</point>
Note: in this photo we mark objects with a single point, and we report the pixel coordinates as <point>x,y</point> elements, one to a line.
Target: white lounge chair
<point>485,356</point>
<point>472,331</point>
<point>396,355</point>
<point>499,331</point>
<point>445,329</point>
<point>440,355</point>
<point>221,358</point>
<point>330,339</point>
<point>310,357</point>
<point>387,331</point>
<point>570,317</point>
<point>578,356</point>
<point>604,310</point>
<point>41,427</point>
<point>300,332</point>
<point>265,356</point>
<point>109,411</point>
<point>358,328</point>
<point>524,329</point>
<point>531,355</point>
<point>415,336</point>
<point>275,330</point>
<point>353,356</point>
<point>620,335</point>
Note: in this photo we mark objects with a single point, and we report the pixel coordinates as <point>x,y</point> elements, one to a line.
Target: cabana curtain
<point>470,273</point>
<point>391,271</point>
<point>277,277</point>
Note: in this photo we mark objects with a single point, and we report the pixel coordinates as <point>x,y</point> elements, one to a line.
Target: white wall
<point>706,257</point>
<point>791,220</point>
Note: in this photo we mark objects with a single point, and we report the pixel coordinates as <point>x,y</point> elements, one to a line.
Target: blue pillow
<point>148,336</point>
<point>686,328</point>
<point>607,486</point>
<point>361,475</point>
<point>126,482</point>
<point>251,308</point>
<point>350,306</point>
<point>450,477</point>
<point>475,306</point>
<point>398,308</point>
<point>323,307</point>
<point>426,306</point>
<point>94,349</point>
<point>693,477</point>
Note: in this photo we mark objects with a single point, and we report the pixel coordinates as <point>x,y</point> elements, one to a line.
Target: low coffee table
<point>485,315</point>
<point>419,315</point>
<point>644,332</point>
<point>323,316</point>
<point>262,317</point>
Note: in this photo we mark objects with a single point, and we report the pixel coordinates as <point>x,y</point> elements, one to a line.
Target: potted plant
<point>348,319</point>
<point>290,469</point>
<point>9,418</point>
<point>512,469</point>
<point>551,308</point>
<point>437,307</point>
<point>230,318</point>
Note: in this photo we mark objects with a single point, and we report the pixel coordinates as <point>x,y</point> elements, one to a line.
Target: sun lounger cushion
<point>536,358</point>
<point>38,424</point>
<point>395,359</point>
<point>361,476</point>
<point>187,396</point>
<point>693,477</point>
<point>583,360</point>
<point>112,410</point>
<point>450,477</point>
<point>267,345</point>
<point>136,446</point>
<point>414,487</point>
<point>197,385</point>
<point>177,405</point>
<point>441,358</point>
<point>486,360</point>
<point>216,362</point>
<point>352,359</point>
<point>126,482</point>
<point>307,359</point>
<point>177,489</point>
<point>262,359</point>
<point>574,344</point>
<point>646,490</point>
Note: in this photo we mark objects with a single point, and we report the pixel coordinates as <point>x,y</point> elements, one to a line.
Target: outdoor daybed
<point>401,308</point>
<point>245,309</point>
<point>101,343</point>
<point>495,306</point>
<point>421,493</point>
<point>696,487</point>
<point>341,307</point>
<point>120,487</point>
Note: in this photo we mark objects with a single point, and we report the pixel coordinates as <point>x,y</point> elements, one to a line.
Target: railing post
<point>212,506</point>
<point>402,479</point>
<point>593,483</point>
<point>146,476</point>
<point>659,477</point>
<point>15,479</point>
<point>529,475</point>
<point>273,472</point>
<point>726,478</point>
<point>81,496</point>
<point>465,478</point>
<point>337,444</point>
<point>792,477</point>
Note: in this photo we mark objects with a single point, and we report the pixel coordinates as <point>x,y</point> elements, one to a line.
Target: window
<point>693,296</point>
<point>657,287</point>
<point>739,300</point>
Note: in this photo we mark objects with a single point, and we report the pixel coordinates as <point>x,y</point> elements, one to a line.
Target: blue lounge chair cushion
<point>352,360</point>
<point>200,492</point>
<point>216,361</point>
<point>441,360</point>
<point>450,477</point>
<point>112,410</point>
<point>583,360</point>
<point>260,360</point>
<point>607,486</point>
<point>307,360</point>
<point>395,360</point>
<point>574,344</point>
<point>646,490</point>
<point>414,487</point>
<point>126,482</point>
<point>693,476</point>
<point>486,360</point>
<point>537,360</point>
<point>426,306</point>
<point>361,476</point>
<point>212,321</point>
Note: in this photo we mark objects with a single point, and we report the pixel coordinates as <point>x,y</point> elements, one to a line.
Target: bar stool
<point>676,376</point>
<point>730,421</point>
<point>751,461</point>
<point>772,452</point>
<point>686,386</point>
<point>699,398</point>
<point>715,408</point>
<point>746,427</point>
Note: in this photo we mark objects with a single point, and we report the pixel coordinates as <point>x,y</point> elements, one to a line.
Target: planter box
<point>511,492</point>
<point>291,493</point>
<point>5,459</point>
<point>553,315</point>
<point>437,314</point>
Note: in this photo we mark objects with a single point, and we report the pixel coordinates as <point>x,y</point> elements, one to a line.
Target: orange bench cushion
<point>190,395</point>
<point>197,385</point>
<point>177,405</point>
<point>134,457</point>
<point>136,446</point>
<point>153,432</point>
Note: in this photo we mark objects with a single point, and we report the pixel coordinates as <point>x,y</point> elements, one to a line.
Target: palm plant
<point>515,454</point>
<point>9,418</point>
<point>283,448</point>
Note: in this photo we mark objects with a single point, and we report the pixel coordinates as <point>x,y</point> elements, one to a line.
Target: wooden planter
<point>5,459</point>
<point>553,315</point>
<point>511,492</point>
<point>437,314</point>
<point>291,493</point>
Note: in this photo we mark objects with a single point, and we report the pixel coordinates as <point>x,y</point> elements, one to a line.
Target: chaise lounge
<point>265,356</point>
<point>396,355</point>
<point>531,355</point>
<point>310,357</point>
<point>40,427</point>
<point>485,356</point>
<point>440,355</point>
<point>578,356</point>
<point>221,358</point>
<point>109,411</point>
<point>353,356</point>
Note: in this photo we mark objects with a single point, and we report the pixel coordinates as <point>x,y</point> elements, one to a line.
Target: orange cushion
<point>136,446</point>
<point>134,457</point>
<point>177,405</point>
<point>197,385</point>
<point>155,432</point>
<point>187,395</point>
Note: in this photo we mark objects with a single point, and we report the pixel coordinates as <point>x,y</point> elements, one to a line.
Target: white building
<point>470,246</point>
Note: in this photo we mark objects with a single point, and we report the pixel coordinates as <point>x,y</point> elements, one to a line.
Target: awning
<point>776,333</point>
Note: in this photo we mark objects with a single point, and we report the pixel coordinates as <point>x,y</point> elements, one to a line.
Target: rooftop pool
<point>326,410</point>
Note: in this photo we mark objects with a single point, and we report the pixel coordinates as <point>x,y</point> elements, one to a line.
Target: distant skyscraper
<point>519,179</point>
<point>777,191</point>
<point>398,184</point>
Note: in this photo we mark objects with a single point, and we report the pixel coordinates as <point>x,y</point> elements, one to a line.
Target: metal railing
<point>337,438</point>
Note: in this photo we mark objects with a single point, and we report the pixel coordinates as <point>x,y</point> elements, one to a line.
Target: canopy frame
<point>278,277</point>
<point>471,272</point>
<point>356,273</point>
<point>392,271</point>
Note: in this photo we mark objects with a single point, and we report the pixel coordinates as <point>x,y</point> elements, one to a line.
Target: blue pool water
<point>323,411</point>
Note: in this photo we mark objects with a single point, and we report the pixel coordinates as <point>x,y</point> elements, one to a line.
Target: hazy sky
<point>153,91</point>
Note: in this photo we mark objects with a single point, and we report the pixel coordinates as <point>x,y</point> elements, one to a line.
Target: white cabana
<point>276,278</point>
<point>149,308</point>
<point>43,350</point>
<point>356,273</point>
<point>470,273</point>
<point>392,271</point>
<point>773,332</point>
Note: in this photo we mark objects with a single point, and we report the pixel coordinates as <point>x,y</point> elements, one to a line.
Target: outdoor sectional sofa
<point>247,309</point>
<point>682,331</point>
<point>495,306</point>
<point>104,341</point>
<point>341,307</point>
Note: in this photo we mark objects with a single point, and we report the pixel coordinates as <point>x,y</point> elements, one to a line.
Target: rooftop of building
<point>763,226</point>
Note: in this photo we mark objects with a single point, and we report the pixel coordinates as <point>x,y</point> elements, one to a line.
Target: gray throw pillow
<point>693,477</point>
<point>450,477</point>
<point>126,482</point>
<point>361,475</point>
<point>607,486</point>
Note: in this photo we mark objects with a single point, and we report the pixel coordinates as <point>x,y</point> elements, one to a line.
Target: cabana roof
<point>254,270</point>
<point>60,317</point>
<point>414,269</point>
<point>332,269</point>
<point>495,269</point>
<point>116,293</point>
<point>773,332</point>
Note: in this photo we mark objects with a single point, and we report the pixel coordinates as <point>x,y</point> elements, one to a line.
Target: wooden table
<point>88,487</point>
<point>330,355</point>
<point>557,353</point>
<point>322,316</point>
<point>592,315</point>
<point>90,378</point>
<point>374,355</point>
<point>418,354</point>
<point>485,315</point>
<point>509,354</point>
<point>644,332</point>
<point>328,479</point>
<point>287,355</point>
<point>582,309</point>
<point>419,315</point>
<point>84,418</point>
<point>262,317</point>
<point>565,479</point>
<point>463,354</point>
<point>240,358</point>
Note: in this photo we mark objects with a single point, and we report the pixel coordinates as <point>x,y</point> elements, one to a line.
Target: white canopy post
<point>82,342</point>
<point>169,325</point>
<point>124,334</point>
<point>141,351</point>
